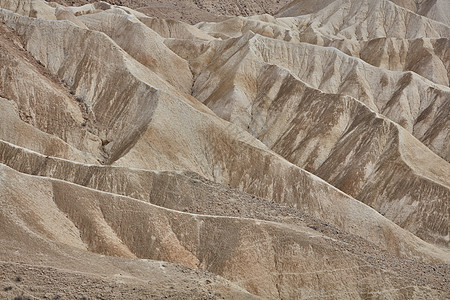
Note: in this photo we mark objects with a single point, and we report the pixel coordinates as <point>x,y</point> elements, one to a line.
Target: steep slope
<point>16,131</point>
<point>167,28</point>
<point>150,139</point>
<point>336,137</point>
<point>30,8</point>
<point>360,20</point>
<point>162,159</point>
<point>194,11</point>
<point>41,244</point>
<point>143,44</point>
<point>391,46</point>
<point>302,7</point>
<point>146,185</point>
<point>435,9</point>
<point>236,79</point>
<point>426,57</point>
<point>63,118</point>
<point>331,71</point>
<point>107,121</point>
<point>107,223</point>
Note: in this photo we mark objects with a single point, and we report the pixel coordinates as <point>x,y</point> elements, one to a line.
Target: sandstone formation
<point>291,156</point>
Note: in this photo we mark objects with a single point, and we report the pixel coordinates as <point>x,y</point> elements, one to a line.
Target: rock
<point>294,155</point>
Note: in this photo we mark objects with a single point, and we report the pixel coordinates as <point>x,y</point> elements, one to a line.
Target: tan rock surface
<point>232,247</point>
<point>143,185</point>
<point>319,131</point>
<point>194,11</point>
<point>128,141</point>
<point>435,9</point>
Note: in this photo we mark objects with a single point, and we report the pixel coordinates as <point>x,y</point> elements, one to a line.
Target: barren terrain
<point>232,150</point>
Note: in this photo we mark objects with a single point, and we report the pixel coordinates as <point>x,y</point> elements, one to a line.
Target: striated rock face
<point>193,11</point>
<point>291,156</point>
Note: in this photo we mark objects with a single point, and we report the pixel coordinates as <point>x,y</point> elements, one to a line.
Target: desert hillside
<point>224,150</point>
<point>193,11</point>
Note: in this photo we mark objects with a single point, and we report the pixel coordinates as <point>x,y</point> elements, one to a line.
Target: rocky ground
<point>28,281</point>
<point>237,204</point>
<point>194,11</point>
<point>281,152</point>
